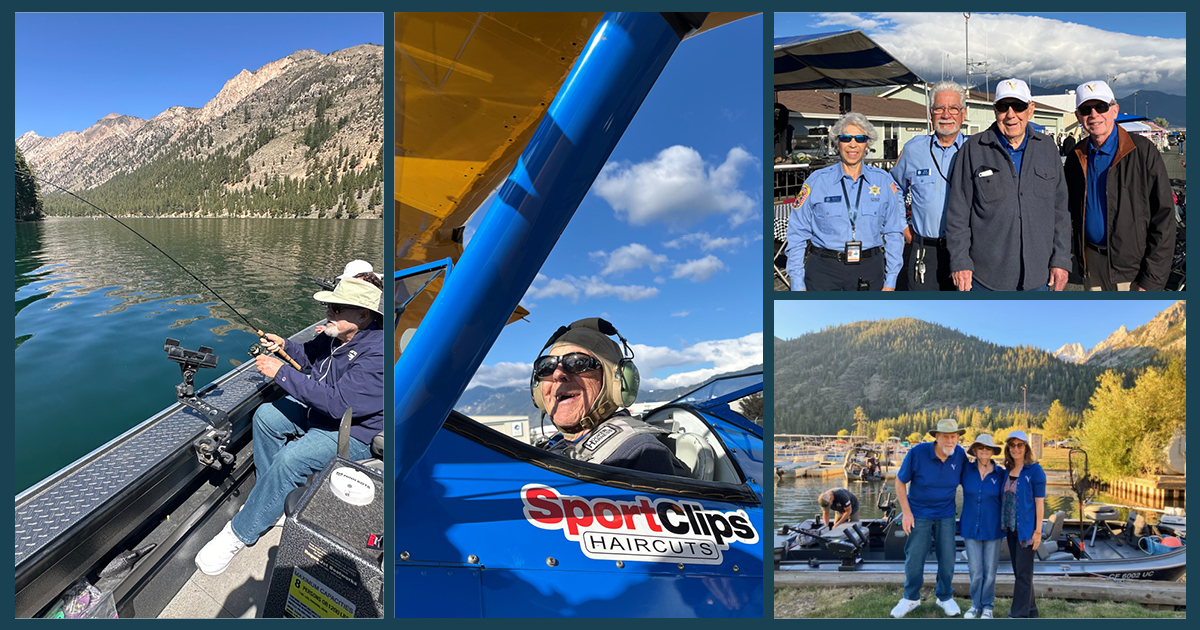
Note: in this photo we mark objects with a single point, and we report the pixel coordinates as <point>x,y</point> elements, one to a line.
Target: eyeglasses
<point>953,109</point>
<point>1086,110</point>
<point>338,308</point>
<point>1018,106</point>
<point>861,139</point>
<point>572,363</point>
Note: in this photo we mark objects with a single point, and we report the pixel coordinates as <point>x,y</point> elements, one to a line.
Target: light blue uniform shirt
<point>821,215</point>
<point>923,170</point>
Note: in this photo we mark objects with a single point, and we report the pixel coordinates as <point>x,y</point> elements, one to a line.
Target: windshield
<point>721,387</point>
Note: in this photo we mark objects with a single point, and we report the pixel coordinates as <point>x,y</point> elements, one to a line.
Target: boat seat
<point>695,453</point>
<point>1099,514</point>
<point>1136,528</point>
<point>1051,533</point>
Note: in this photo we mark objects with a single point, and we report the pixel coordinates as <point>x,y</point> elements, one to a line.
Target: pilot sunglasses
<point>859,138</point>
<point>1003,106</point>
<point>572,363</point>
<point>1086,110</point>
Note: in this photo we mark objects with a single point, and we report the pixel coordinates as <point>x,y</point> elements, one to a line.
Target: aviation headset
<point>620,379</point>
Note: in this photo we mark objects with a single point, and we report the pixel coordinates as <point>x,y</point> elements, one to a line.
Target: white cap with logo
<point>1012,88</point>
<point>1093,91</point>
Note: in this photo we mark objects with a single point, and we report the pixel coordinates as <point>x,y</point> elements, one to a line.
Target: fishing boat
<point>487,525</point>
<point>148,500</point>
<point>865,462</point>
<point>1095,546</point>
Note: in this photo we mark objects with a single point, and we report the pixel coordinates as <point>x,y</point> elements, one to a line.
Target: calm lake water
<point>94,304</point>
<point>796,499</point>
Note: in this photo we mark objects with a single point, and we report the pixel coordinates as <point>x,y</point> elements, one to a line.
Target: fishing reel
<point>210,447</point>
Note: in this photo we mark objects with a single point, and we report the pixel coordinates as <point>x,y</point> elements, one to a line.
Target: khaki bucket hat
<point>353,292</point>
<point>985,440</point>
<point>947,425</point>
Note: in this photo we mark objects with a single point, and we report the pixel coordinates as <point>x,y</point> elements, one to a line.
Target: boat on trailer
<point>165,487</point>
<point>1095,546</point>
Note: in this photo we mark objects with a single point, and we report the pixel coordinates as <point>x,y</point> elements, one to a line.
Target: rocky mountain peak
<point>1072,353</point>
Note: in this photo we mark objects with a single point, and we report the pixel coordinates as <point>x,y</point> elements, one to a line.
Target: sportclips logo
<point>641,530</point>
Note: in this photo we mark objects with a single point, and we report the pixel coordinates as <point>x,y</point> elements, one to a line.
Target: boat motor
<point>210,447</point>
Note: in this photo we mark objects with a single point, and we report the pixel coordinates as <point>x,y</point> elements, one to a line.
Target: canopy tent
<point>837,60</point>
<point>1135,127</point>
<point>1123,118</point>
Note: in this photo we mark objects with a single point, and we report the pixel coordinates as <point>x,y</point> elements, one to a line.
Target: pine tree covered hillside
<point>299,137</point>
<point>903,366</point>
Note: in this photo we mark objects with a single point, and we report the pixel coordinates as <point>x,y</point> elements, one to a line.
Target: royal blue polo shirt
<point>1031,484</point>
<point>981,502</point>
<point>1017,153</point>
<point>1095,218</point>
<point>932,483</point>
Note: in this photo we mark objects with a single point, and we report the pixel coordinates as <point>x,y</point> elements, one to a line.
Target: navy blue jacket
<point>352,377</point>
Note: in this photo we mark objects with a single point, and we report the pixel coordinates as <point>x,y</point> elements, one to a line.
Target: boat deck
<point>239,592</point>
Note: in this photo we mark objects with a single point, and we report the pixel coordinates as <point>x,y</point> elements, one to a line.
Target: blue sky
<point>687,290</point>
<point>74,69</point>
<point>1143,50</point>
<point>1044,324</point>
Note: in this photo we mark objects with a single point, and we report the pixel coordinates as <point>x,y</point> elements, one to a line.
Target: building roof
<point>823,103</point>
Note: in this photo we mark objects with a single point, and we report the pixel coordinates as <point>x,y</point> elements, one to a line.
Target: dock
<point>1151,594</point>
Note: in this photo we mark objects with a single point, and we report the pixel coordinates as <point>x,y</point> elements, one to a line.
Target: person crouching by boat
<point>584,383</point>
<point>1021,513</point>
<point>840,501</point>
<point>297,435</point>
<point>846,231</point>
<point>980,524</point>
<point>934,471</point>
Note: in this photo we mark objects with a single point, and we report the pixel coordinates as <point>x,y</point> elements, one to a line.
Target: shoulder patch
<point>895,189</point>
<point>804,190</point>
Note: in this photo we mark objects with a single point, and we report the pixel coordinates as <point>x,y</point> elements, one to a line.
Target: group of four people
<point>996,211</point>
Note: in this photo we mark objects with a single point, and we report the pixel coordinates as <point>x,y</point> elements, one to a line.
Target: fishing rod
<point>256,329</point>
<point>321,282</point>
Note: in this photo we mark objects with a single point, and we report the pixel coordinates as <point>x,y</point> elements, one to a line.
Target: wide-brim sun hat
<point>353,292</point>
<point>355,267</point>
<point>946,425</point>
<point>987,441</point>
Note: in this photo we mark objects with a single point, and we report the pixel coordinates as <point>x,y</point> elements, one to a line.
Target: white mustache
<point>330,330</point>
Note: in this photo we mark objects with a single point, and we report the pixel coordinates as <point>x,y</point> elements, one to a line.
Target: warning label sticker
<point>308,598</point>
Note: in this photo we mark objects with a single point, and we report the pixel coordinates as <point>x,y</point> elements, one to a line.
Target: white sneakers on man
<point>215,557</point>
<point>904,607</point>
<point>971,613</point>
<point>949,607</point>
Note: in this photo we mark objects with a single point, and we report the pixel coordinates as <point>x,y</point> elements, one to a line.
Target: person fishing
<point>297,435</point>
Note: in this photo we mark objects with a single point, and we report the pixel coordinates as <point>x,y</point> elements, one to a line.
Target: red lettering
<point>543,499</point>
<point>648,511</point>
<point>630,511</point>
<point>613,512</point>
<point>570,506</point>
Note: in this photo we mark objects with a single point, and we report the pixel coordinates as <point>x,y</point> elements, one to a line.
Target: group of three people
<point>1000,503</point>
<point>996,211</point>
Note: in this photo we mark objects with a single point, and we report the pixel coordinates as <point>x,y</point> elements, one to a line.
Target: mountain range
<point>899,366</point>
<point>1163,336</point>
<point>301,136</point>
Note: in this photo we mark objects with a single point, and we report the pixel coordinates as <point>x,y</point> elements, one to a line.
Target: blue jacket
<point>352,377</point>
<point>1031,484</point>
<point>981,503</point>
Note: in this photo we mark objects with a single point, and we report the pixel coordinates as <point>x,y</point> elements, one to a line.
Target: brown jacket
<point>1141,211</point>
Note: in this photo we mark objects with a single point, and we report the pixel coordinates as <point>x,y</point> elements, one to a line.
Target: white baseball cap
<point>1093,91</point>
<point>355,267</point>
<point>1012,88</point>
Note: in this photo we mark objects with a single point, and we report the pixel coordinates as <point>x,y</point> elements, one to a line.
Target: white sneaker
<point>949,607</point>
<point>971,613</point>
<point>987,613</point>
<point>214,558</point>
<point>904,607</point>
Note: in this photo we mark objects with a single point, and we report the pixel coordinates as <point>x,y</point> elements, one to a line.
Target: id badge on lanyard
<point>853,252</point>
<point>853,246</point>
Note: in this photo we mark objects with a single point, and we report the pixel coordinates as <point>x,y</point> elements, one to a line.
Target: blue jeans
<point>926,533</point>
<point>282,466</point>
<point>983,556</point>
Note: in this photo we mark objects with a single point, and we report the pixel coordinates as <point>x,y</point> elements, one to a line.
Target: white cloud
<point>725,355</point>
<point>580,287</point>
<point>1046,50</point>
<point>502,375</point>
<point>699,270</point>
<point>627,258</point>
<point>707,242</point>
<point>678,188</point>
<point>681,314</point>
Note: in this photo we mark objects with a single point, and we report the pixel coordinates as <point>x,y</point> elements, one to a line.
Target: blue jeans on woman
<point>282,466</point>
<point>983,556</point>
<point>927,533</point>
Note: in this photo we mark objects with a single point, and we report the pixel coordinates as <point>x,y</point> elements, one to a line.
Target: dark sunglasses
<point>338,308</point>
<point>861,139</point>
<point>572,363</point>
<point>1086,110</point>
<point>1003,106</point>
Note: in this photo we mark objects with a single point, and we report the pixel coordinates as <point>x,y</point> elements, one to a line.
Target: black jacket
<point>1141,211</point>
